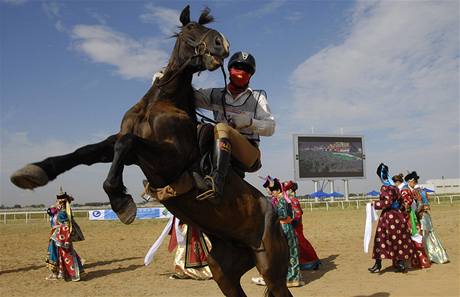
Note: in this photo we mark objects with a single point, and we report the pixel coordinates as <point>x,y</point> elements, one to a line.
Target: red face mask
<point>239,77</point>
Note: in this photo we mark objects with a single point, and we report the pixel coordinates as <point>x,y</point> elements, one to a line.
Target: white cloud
<point>14,2</point>
<point>294,16</point>
<point>132,58</point>
<point>60,26</point>
<point>167,19</point>
<point>52,9</point>
<point>397,54</point>
<point>266,9</point>
<point>85,183</point>
<point>395,77</point>
<point>100,18</point>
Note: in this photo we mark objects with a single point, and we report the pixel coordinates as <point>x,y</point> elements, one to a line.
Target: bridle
<point>200,48</point>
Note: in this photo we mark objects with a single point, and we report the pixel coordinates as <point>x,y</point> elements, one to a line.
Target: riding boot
<point>377,266</point>
<point>400,267</point>
<point>221,159</point>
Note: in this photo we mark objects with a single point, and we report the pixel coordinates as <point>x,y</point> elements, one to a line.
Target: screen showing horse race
<point>328,156</point>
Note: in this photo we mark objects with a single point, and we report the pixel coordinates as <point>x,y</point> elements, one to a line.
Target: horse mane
<point>205,17</point>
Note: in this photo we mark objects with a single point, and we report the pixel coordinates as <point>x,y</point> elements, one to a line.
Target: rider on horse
<point>242,115</point>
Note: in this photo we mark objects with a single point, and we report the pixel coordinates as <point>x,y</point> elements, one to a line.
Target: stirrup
<point>209,194</point>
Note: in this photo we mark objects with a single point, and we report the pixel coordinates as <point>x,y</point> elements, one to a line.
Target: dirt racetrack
<point>114,261</point>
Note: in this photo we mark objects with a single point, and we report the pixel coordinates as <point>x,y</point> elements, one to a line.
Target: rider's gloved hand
<point>241,121</point>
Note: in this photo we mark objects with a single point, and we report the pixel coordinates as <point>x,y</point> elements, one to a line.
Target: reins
<point>222,100</point>
<point>222,97</point>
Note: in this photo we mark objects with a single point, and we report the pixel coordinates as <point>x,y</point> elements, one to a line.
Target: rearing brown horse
<point>159,135</point>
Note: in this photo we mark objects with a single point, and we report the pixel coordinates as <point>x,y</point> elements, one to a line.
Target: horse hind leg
<point>39,174</point>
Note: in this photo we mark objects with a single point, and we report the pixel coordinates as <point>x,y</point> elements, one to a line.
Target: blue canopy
<point>373,193</point>
<point>319,194</point>
<point>336,194</point>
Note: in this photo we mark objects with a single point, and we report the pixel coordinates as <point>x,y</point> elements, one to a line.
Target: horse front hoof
<point>29,177</point>
<point>128,213</point>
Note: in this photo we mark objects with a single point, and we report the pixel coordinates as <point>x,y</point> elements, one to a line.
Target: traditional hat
<point>382,171</point>
<point>276,186</point>
<point>398,178</point>
<point>63,196</point>
<point>268,182</point>
<point>290,185</point>
<point>411,176</point>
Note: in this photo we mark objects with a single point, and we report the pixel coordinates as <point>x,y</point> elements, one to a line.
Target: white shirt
<point>263,122</point>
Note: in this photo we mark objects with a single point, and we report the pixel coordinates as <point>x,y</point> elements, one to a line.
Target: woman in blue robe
<point>283,208</point>
<point>433,246</point>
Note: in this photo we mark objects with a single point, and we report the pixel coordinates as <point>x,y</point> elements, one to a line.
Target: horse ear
<point>185,15</point>
<point>205,17</point>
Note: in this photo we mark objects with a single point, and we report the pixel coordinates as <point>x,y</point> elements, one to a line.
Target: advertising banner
<point>142,214</point>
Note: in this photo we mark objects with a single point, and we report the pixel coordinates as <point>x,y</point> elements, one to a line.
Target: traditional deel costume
<point>308,258</point>
<point>420,258</point>
<point>282,205</point>
<point>193,247</point>
<point>63,261</point>
<point>433,246</point>
<point>392,237</point>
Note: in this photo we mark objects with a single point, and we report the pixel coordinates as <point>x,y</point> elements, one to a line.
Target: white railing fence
<point>33,215</point>
<point>10,216</point>
<point>357,203</point>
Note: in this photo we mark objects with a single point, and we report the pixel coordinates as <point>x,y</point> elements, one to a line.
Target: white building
<point>443,186</point>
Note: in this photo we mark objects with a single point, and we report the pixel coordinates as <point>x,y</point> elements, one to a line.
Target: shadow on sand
<point>22,269</point>
<point>379,294</point>
<point>107,262</point>
<point>327,264</point>
<point>89,275</point>
<point>104,272</point>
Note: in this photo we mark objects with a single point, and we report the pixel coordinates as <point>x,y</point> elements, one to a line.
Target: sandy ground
<point>114,261</point>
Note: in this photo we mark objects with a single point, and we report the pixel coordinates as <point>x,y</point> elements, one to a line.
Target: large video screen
<point>328,156</point>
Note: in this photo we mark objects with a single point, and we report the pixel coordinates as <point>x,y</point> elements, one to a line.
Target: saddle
<point>205,137</point>
<point>204,166</point>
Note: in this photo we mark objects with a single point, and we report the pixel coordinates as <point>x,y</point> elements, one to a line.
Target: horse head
<point>198,47</point>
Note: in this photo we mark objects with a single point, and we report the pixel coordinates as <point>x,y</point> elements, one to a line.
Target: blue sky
<point>386,70</point>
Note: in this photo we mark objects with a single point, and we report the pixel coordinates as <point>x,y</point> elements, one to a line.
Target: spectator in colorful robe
<point>433,246</point>
<point>282,205</point>
<point>308,258</point>
<point>192,247</point>
<point>63,261</point>
<point>191,259</point>
<point>409,195</point>
<point>392,239</point>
